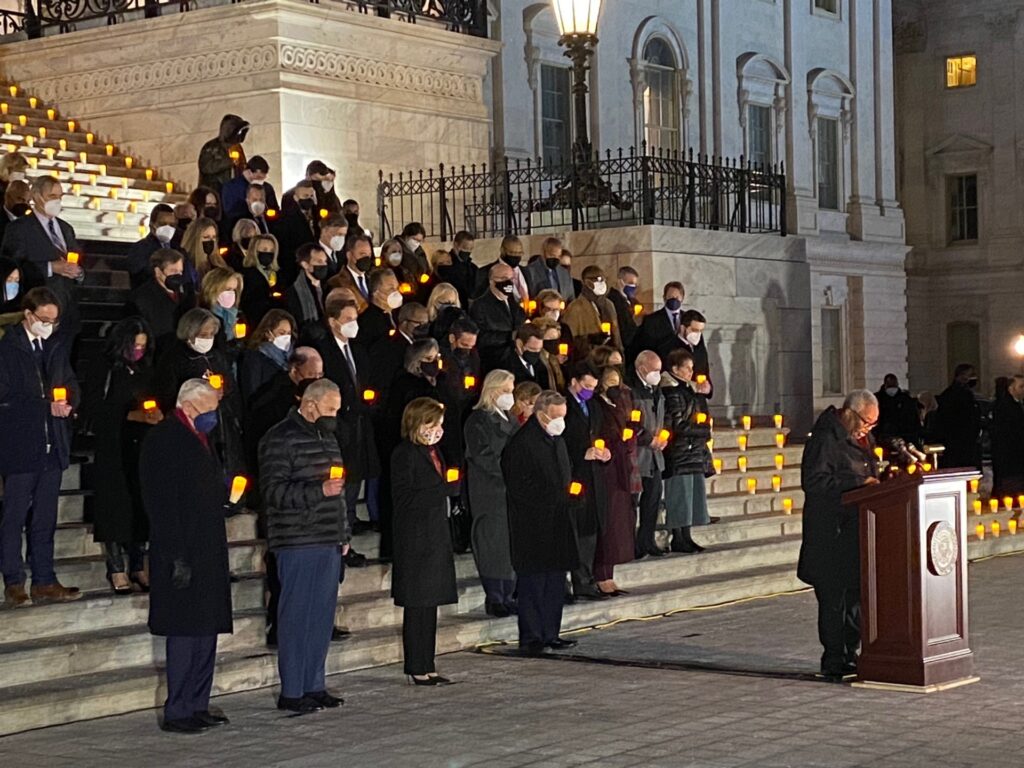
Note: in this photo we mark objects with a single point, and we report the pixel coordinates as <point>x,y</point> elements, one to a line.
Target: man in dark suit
<point>524,361</point>
<point>233,193</point>
<point>538,476</point>
<point>378,321</point>
<point>1007,433</point>
<point>657,327</point>
<point>511,254</point>
<point>959,419</point>
<point>582,425</point>
<point>623,296</point>
<point>691,338</point>
<point>164,297</point>
<point>35,445</point>
<point>498,315</point>
<point>387,355</point>
<point>333,231</point>
<point>548,272</point>
<point>40,244</point>
<point>566,260</point>
<point>161,233</point>
<point>462,272</point>
<point>17,199</point>
<point>294,228</point>
<point>648,398</point>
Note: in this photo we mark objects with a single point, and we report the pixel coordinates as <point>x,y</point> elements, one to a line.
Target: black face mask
<point>552,263</point>
<point>972,383</point>
<point>320,273</point>
<point>211,212</point>
<point>21,209</point>
<point>208,246</point>
<point>265,258</point>
<point>429,369</point>
<point>533,358</point>
<point>327,424</point>
<point>613,393</point>
<point>465,255</point>
<point>461,353</point>
<point>245,242</point>
<point>307,204</point>
<point>174,282</point>
<point>183,223</point>
<point>512,261</point>
<point>364,263</point>
<point>352,219</point>
<point>421,331</point>
<point>551,346</point>
<point>505,286</point>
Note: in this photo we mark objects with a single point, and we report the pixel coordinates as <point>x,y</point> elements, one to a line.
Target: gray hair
<point>547,399</point>
<point>859,399</point>
<point>41,185</point>
<point>647,358</point>
<point>194,389</point>
<point>192,322</point>
<point>316,391</point>
<point>415,353</point>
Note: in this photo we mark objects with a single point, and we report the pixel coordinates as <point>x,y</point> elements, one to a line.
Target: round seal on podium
<point>943,548</point>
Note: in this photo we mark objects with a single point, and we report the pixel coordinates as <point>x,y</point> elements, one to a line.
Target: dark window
<point>963,208</point>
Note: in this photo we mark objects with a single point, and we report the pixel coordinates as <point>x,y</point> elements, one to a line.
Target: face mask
<point>245,242</point>
<point>174,282</point>
<point>257,208</point>
<point>284,343</point>
<point>11,290</point>
<point>395,258</point>
<point>555,315</point>
<point>350,329</point>
<point>211,211</point>
<point>21,209</point>
<point>613,392</point>
<point>265,258</point>
<point>41,329</point>
<point>429,369</point>
<point>629,290</point>
<point>653,378</point>
<point>673,304</point>
<point>337,242</point>
<point>512,261</point>
<point>693,338</point>
<point>352,219</point>
<point>306,203</point>
<point>395,300</point>
<point>533,358</point>
<point>206,422</point>
<point>465,255</point>
<point>16,176</point>
<point>226,299</point>
<point>892,391</point>
<point>202,346</point>
<point>183,223</point>
<point>135,354</point>
<point>461,353</point>
<point>585,394</point>
<point>208,246</point>
<point>320,272</point>
<point>552,263</point>
<point>326,186</point>
<point>52,208</point>
<point>555,427</point>
<point>505,286</point>
<point>551,346</point>
<point>364,263</point>
<point>413,245</point>
<point>504,401</point>
<point>432,436</point>
<point>327,424</point>
<point>165,233</point>
<point>600,289</point>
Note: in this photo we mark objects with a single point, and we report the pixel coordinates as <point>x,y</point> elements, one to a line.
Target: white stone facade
<point>963,293</point>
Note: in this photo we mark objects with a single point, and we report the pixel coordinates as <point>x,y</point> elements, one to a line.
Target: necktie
<point>553,279</point>
<point>37,352</point>
<point>54,237</point>
<point>351,363</point>
<point>585,409</point>
<point>362,287</point>
<point>675,321</point>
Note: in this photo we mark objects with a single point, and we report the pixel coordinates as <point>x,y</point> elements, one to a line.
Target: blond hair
<point>215,281</point>
<point>421,412</point>
<point>192,245</point>
<point>442,291</point>
<point>489,391</point>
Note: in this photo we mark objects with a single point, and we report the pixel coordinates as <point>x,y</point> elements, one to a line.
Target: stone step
<point>731,504</point>
<point>733,481</point>
<point>757,437</point>
<point>760,457</point>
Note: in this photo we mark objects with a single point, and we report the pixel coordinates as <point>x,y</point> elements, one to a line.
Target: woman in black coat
<point>114,402</point>
<point>423,574</point>
<point>266,352</point>
<point>260,273</point>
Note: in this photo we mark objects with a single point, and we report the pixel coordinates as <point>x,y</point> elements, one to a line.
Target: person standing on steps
<point>838,457</point>
<point>650,446</point>
<point>185,498</point>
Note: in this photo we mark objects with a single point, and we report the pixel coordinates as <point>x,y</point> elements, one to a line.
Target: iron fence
<point>623,188</point>
<point>50,17</point>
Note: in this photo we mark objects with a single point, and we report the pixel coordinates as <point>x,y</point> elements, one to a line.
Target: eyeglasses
<point>866,425</point>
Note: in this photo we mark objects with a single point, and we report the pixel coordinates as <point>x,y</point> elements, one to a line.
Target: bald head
<point>647,362</point>
<point>500,271</point>
<point>305,364</point>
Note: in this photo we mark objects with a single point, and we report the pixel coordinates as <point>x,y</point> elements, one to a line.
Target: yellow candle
<point>452,475</point>
<point>324,213</point>
<point>1020,502</point>
<point>216,380</point>
<point>995,528</point>
<point>531,306</point>
<point>124,183</point>
<point>110,150</point>
<point>128,162</point>
<point>741,463</point>
<point>424,278</point>
<point>14,90</point>
<point>240,330</point>
<point>701,418</point>
<point>638,309</point>
<point>63,144</point>
<point>149,405</point>
<point>599,444</point>
<point>71,167</point>
<point>912,469</point>
<point>33,102</point>
<point>711,444</point>
<point>780,440</point>
<point>787,505</point>
<point>741,441</point>
<point>1008,503</point>
<point>142,230</point>
<point>92,180</point>
<point>73,257</point>
<point>369,395</point>
<point>233,154</point>
<point>76,189</point>
<point>42,132</point>
<point>718,466</point>
<point>701,378</point>
<point>30,141</point>
<point>60,394</point>
<point>1011,526</point>
<point>635,416</point>
<point>926,466</point>
<point>238,484</point>
<point>746,422</point>
<point>120,217</point>
<point>993,505</point>
<point>627,434</point>
<point>780,461</point>
<point>974,485</point>
<point>89,137</point>
<point>4,108</point>
<point>103,169</point>
<point>606,327</point>
<point>33,162</point>
<point>977,506</point>
<point>83,157</point>
<point>169,186</point>
<point>71,126</point>
<point>8,129</point>
<point>149,174</point>
<point>665,435</point>
<point>49,153</point>
<point>469,382</point>
<point>776,483</point>
<point>751,485</point>
<point>980,531</point>
<point>337,473</point>
<point>575,488</point>
<point>51,113</point>
<point>563,349</point>
<point>778,420</point>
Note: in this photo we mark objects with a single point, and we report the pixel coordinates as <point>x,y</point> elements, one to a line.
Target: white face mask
<point>52,208</point>
<point>600,289</point>
<point>16,176</point>
<point>504,401</point>
<point>284,343</point>
<point>258,208</point>
<point>257,182</point>
<point>165,233</point>
<point>892,391</point>
<point>202,346</point>
<point>350,329</point>
<point>327,185</point>
<point>555,315</point>
<point>41,329</point>
<point>394,259</point>
<point>337,242</point>
<point>395,300</point>
<point>226,299</point>
<point>555,427</point>
<point>693,338</point>
<point>412,244</point>
<point>653,378</point>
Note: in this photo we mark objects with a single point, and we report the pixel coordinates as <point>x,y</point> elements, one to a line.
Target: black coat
<point>374,326</point>
<point>259,297</point>
<point>687,450</point>
<point>458,400</point>
<point>701,364</point>
<point>510,361</point>
<point>654,331</point>
<point>1007,432</point>
<point>111,391</point>
<point>295,460</point>
<point>498,322</point>
<point>833,464</point>
<point>293,229</point>
<point>405,388</point>
<point>462,276</point>
<point>160,310</point>
<point>626,317</point>
<point>898,417</point>
<point>184,493</point>
<point>26,424</point>
<point>958,422</point>
<point>580,431</point>
<point>387,358</point>
<point>267,406</point>
<point>538,475</point>
<point>255,369</point>
<point>355,427</point>
<point>423,574</point>
<point>137,259</point>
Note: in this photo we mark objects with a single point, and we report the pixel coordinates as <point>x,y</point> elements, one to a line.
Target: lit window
<point>661,97</point>
<point>963,208</point>
<point>961,71</point>
<point>828,163</point>
<point>832,351</point>
<point>555,113</point>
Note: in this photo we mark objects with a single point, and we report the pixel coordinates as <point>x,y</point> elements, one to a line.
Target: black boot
<point>682,542</point>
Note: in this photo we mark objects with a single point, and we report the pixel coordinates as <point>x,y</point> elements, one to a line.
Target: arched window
<point>662,111</point>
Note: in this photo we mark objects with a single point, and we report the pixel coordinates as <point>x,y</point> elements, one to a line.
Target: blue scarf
<point>279,358</point>
<point>228,317</point>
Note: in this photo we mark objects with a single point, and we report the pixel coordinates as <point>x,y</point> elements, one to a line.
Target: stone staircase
<point>95,657</point>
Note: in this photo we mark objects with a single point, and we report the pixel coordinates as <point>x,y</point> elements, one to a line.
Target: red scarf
<point>184,420</point>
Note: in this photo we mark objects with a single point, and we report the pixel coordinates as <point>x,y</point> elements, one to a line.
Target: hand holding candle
<point>469,382</point>
<point>240,330</point>
<point>60,394</point>
<point>452,475</point>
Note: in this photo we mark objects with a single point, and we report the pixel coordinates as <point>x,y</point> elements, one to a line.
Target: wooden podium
<point>913,555</point>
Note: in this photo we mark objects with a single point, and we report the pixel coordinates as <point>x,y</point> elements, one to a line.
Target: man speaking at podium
<point>838,457</point>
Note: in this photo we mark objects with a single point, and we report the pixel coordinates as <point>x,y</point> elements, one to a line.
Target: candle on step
<point>30,141</point>
<point>149,174</point>
<point>33,102</point>
<point>238,484</point>
<point>1020,503</point>
<point>746,422</point>
<point>89,137</point>
<point>741,463</point>
<point>977,506</point>
<point>128,162</point>
<point>103,169</point>
<point>337,472</point>
<point>778,420</point>
<point>120,217</point>
<point>60,394</point>
<point>993,505</point>
<point>14,90</point>
<point>169,186</point>
<point>741,441</point>
<point>240,330</point>
<point>145,195</point>
<point>51,113</point>
<point>76,189</point>
<point>717,463</point>
<point>9,129</point>
<point>110,150</point>
<point>42,131</point>
<point>751,485</point>
<point>776,483</point>
<point>33,162</point>
<point>780,440</point>
<point>63,144</point>
<point>3,108</point>
<point>124,183</point>
<point>995,528</point>
<point>92,180</point>
<point>974,485</point>
<point>787,505</point>
<point>1011,526</point>
<point>83,157</point>
<point>49,153</point>
<point>1008,503</point>
<point>71,126</point>
<point>979,531</point>
<point>780,461</point>
<point>452,475</point>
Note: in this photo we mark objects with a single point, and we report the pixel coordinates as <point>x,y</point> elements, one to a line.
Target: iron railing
<point>52,17</point>
<point>623,188</point>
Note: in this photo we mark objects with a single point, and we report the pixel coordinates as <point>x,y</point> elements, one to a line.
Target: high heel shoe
<point>121,591</point>
<point>414,680</point>
<point>143,586</point>
<point>438,680</point>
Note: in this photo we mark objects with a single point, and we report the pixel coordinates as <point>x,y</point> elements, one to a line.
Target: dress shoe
<point>272,638</point>
<point>15,596</point>
<point>422,680</point>
<point>655,552</point>
<point>325,699</point>
<point>562,642</point>
<point>54,593</point>
<point>497,610</point>
<point>338,634</point>
<point>438,680</point>
<point>713,519</point>
<point>141,581</point>
<point>303,705</point>
<point>594,596</point>
<point>183,725</point>
<point>355,560</point>
<point>209,719</point>
<point>531,649</point>
<point>687,547</point>
<point>360,527</point>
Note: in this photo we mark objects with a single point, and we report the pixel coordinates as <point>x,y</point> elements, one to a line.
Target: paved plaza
<point>732,690</point>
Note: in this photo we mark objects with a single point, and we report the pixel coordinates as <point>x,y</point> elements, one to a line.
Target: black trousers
<point>190,665</point>
<point>419,639</point>
<point>838,625</point>
<point>541,597</point>
<point>583,574</point>
<point>650,499</point>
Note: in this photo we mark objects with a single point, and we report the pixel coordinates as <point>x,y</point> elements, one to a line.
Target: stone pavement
<point>512,712</point>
